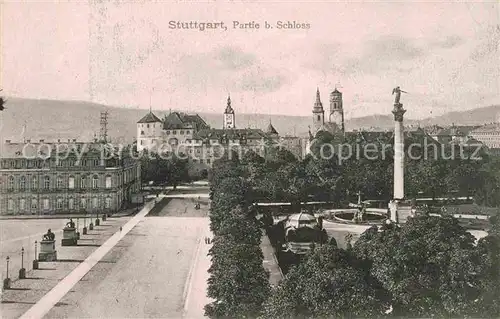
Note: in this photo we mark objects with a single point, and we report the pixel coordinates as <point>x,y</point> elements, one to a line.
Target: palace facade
<point>73,177</point>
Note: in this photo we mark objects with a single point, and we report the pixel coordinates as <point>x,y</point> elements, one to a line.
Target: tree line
<point>238,282</point>
<point>280,177</point>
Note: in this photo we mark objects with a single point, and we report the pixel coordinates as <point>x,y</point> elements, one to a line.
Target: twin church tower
<point>335,122</point>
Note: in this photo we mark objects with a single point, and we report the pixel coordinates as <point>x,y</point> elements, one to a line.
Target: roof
<point>433,130</point>
<point>271,129</point>
<point>488,128</point>
<point>177,120</point>
<point>41,150</point>
<point>331,127</point>
<point>231,134</point>
<point>301,220</point>
<point>149,118</point>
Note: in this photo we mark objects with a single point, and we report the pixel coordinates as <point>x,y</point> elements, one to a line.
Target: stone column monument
<point>399,190</point>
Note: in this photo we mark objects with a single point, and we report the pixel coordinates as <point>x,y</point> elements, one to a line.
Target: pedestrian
<point>120,228</point>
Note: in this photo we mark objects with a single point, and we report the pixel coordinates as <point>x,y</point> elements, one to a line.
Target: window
<point>94,202</point>
<point>95,181</point>
<point>83,182</point>
<point>168,132</point>
<point>142,142</point>
<point>22,204</point>
<point>187,132</point>
<point>174,132</point>
<point>181,132</point>
<point>108,181</point>
<point>83,202</point>
<point>46,182</point>
<point>10,204</point>
<point>34,204</point>
<point>142,132</point>
<point>71,182</point>
<point>22,183</point>
<point>71,203</point>
<point>59,182</point>
<point>59,163</point>
<point>96,162</point>
<point>10,183</point>
<point>45,203</point>
<point>319,118</point>
<point>108,202</point>
<point>59,203</point>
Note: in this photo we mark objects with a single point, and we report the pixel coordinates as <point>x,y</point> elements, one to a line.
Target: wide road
<point>158,270</point>
<point>18,233</point>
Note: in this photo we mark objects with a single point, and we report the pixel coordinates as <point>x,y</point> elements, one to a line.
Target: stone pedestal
<point>47,250</point>
<point>97,222</point>
<point>22,273</point>
<point>393,208</point>
<point>400,211</point>
<point>6,283</point>
<point>35,264</point>
<point>84,231</point>
<point>104,217</point>
<point>69,237</point>
<point>91,226</point>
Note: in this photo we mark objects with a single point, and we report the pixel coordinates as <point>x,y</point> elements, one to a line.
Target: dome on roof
<point>301,220</point>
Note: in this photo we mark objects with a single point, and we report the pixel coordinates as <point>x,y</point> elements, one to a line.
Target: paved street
<point>159,269</point>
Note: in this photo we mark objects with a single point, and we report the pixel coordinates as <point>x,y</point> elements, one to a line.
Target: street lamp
<point>6,281</point>
<point>22,271</point>
<point>35,260</point>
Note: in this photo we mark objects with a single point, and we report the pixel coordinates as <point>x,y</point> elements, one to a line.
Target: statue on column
<point>397,91</point>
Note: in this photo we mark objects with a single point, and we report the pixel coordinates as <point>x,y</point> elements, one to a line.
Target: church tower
<point>318,113</point>
<point>229,120</point>
<point>337,109</point>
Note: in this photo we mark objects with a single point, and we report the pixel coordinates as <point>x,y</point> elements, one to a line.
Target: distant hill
<point>477,116</point>
<point>52,119</point>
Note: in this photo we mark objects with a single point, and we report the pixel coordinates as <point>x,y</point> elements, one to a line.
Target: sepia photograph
<point>249,159</point>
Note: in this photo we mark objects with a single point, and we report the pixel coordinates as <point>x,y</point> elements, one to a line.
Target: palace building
<point>192,136</point>
<point>72,177</point>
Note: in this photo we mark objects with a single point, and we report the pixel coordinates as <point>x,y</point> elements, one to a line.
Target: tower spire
<point>318,99</point>
<point>229,118</point>
<point>318,105</point>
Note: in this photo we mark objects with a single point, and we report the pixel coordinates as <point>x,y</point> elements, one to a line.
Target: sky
<point>123,53</point>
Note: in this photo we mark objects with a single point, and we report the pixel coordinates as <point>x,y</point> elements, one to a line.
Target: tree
<point>488,303</point>
<point>420,264</point>
<point>330,283</point>
<point>238,282</point>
